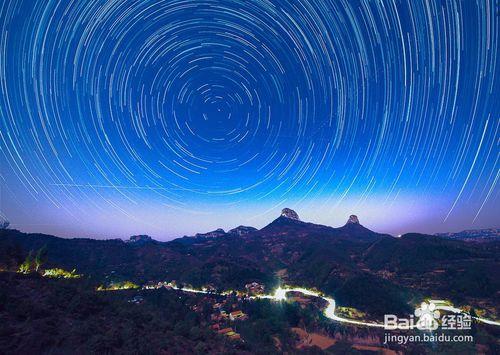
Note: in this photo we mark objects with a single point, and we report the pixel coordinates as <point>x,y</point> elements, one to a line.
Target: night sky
<point>174,117</point>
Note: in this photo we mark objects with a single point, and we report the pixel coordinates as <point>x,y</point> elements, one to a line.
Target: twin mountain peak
<point>288,218</point>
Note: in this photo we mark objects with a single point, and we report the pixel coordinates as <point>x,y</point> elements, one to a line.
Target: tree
<point>41,257</point>
<point>25,267</point>
<point>4,224</point>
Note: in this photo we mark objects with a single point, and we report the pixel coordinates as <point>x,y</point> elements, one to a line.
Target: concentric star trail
<point>122,117</point>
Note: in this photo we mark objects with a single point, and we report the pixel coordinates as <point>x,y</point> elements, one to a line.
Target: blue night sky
<point>174,117</point>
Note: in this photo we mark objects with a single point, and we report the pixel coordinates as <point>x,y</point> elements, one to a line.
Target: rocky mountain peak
<point>353,219</point>
<point>213,234</point>
<point>242,230</point>
<point>289,213</point>
<point>140,239</point>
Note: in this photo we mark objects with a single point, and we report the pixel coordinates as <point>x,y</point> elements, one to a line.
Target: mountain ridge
<point>287,250</point>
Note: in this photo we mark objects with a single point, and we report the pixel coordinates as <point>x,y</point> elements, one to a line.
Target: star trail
<point>171,117</point>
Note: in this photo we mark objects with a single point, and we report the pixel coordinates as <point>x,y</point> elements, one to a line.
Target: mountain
<point>288,250</point>
<point>238,231</point>
<point>474,235</point>
<point>414,251</point>
<point>311,253</point>
<point>57,316</point>
<point>290,214</point>
<point>213,234</point>
<point>354,229</point>
<point>441,266</point>
<point>138,239</point>
<point>289,223</point>
<point>241,230</point>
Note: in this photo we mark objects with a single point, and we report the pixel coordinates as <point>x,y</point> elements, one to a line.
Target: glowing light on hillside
<point>280,294</point>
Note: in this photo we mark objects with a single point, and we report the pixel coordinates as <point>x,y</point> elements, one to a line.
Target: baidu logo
<point>427,316</point>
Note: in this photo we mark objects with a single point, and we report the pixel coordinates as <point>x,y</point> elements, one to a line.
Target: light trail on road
<point>458,310</point>
<point>329,312</point>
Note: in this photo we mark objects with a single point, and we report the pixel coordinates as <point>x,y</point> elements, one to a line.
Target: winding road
<point>329,311</point>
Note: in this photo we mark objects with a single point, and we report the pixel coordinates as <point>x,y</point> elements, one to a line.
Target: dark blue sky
<point>174,117</point>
